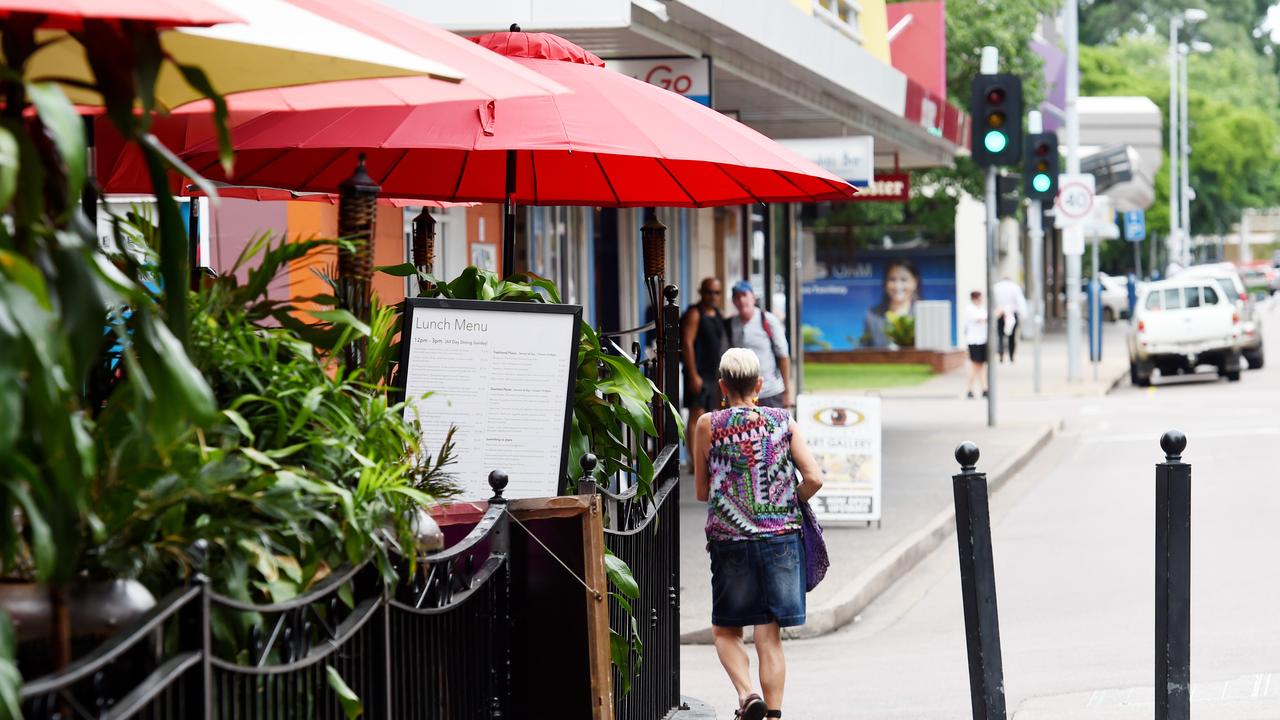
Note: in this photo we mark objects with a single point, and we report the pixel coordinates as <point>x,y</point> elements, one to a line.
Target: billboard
<point>852,304</point>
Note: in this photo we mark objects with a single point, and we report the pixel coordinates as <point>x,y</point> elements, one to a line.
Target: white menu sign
<point>843,431</point>
<point>502,374</point>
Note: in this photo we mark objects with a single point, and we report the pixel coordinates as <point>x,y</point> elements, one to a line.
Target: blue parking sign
<point>1135,226</point>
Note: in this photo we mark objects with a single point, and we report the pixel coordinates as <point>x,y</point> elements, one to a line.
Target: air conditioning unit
<point>933,324</point>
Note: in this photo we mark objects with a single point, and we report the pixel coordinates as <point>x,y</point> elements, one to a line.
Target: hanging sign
<point>849,158</point>
<point>843,431</point>
<point>887,187</point>
<point>683,75</point>
<point>502,375</point>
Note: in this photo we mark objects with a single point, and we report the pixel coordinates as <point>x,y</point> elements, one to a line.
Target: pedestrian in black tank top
<point>704,339</point>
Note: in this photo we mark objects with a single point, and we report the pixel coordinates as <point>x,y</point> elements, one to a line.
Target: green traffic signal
<point>1041,183</point>
<point>995,141</point>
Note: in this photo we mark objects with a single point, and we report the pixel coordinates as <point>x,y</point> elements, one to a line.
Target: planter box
<point>939,361</point>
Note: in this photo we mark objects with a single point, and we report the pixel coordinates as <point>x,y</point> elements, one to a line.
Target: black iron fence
<point>644,529</point>
<point>435,646</point>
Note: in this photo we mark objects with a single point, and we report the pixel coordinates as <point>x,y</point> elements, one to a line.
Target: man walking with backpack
<point>762,332</point>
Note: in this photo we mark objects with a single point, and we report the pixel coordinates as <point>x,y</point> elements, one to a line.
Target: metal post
<point>1173,581</point>
<point>193,241</point>
<point>1035,231</point>
<point>509,219</point>
<point>1035,235</point>
<point>500,544</point>
<point>991,302</point>
<point>978,587</point>
<point>670,368</point>
<point>1137,260</point>
<point>1175,224</point>
<point>1095,311</point>
<point>1071,26</point>
<point>1184,147</point>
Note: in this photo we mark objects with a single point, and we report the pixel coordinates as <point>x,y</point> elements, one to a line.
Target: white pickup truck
<point>1182,323</point>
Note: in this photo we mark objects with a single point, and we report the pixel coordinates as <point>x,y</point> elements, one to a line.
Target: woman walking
<point>745,469</point>
<point>975,335</point>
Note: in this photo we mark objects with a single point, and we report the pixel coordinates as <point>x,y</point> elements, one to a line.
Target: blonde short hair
<point>740,369</point>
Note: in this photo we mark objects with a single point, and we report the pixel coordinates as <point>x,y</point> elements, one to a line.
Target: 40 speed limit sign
<point>1074,203</point>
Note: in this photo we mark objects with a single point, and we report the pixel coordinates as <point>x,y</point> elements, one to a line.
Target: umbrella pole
<point>509,219</point>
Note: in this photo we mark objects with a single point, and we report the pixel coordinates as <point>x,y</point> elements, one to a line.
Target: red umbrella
<point>71,14</point>
<point>276,195</point>
<point>613,141</point>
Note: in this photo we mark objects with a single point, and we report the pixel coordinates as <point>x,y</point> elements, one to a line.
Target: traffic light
<point>1041,166</point>
<point>1007,197</point>
<point>996,110</point>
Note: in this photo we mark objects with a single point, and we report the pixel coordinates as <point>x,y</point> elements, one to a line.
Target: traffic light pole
<point>1071,25</point>
<point>992,257</point>
<point>1035,233</point>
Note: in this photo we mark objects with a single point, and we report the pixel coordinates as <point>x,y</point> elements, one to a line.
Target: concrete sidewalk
<point>921,427</point>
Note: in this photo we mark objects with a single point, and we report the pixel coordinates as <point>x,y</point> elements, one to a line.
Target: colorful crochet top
<point>752,478</point>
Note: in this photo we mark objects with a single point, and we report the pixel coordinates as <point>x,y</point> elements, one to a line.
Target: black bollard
<point>978,586</point>
<point>1173,581</point>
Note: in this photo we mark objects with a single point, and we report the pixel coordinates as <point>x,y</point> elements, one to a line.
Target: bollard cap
<point>967,456</point>
<point>671,292</point>
<point>498,481</point>
<point>588,464</point>
<point>1173,443</point>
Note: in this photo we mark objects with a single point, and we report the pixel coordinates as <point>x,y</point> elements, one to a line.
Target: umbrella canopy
<point>275,195</point>
<point>612,141</point>
<point>71,14</point>
<point>277,44</point>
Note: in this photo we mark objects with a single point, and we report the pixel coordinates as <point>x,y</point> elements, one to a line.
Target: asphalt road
<point>1074,553</point>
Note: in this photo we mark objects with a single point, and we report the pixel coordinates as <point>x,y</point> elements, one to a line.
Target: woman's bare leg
<point>773,667</point>
<point>734,658</point>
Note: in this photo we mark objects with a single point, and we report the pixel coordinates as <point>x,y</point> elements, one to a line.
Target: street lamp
<point>1184,50</point>
<point>1179,241</point>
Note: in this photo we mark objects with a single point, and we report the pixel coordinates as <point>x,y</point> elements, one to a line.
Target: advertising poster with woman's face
<point>859,303</point>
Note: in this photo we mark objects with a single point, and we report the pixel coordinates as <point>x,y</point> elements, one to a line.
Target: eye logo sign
<point>839,417</point>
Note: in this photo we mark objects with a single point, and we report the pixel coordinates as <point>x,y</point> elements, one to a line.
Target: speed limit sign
<point>1074,203</point>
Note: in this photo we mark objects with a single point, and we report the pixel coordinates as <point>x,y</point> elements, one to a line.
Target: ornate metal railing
<point>437,645</point>
<point>644,529</point>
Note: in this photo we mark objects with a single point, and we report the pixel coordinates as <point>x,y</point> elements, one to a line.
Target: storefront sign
<point>894,187</point>
<point>849,158</point>
<point>843,431</point>
<point>690,77</point>
<point>502,374</point>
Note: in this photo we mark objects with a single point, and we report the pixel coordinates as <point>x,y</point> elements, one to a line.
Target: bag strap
<point>768,330</point>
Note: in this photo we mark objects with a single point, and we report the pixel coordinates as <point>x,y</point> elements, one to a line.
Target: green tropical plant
<point>84,339</point>
<point>901,331</point>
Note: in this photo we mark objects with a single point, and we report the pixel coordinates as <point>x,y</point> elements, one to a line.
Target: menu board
<point>502,373</point>
<point>843,431</point>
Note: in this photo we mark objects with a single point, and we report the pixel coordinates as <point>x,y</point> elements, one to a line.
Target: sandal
<point>753,708</point>
<point>773,714</point>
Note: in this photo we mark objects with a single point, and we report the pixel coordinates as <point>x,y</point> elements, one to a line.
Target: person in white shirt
<point>975,336</point>
<point>1011,308</point>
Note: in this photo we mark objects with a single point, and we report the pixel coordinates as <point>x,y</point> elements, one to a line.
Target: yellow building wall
<point>874,24</point>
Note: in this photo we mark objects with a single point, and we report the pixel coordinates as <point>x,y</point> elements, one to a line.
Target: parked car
<point>1257,280</point>
<point>1115,296</point>
<point>1181,324</point>
<point>1236,287</point>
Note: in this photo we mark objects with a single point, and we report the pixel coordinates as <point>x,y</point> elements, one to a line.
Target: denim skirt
<point>758,581</point>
